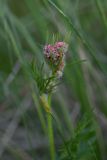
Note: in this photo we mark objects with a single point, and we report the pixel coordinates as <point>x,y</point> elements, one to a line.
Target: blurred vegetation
<point>80,102</point>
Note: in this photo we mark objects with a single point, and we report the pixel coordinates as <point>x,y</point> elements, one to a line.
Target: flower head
<point>62,45</point>
<point>55,56</point>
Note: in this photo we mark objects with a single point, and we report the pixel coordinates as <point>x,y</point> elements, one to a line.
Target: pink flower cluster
<point>55,54</point>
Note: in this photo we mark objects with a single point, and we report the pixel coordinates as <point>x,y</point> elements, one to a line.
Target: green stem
<point>60,133</point>
<point>47,105</point>
<point>39,110</point>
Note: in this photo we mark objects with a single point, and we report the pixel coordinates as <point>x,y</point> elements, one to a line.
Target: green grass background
<point>25,27</point>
